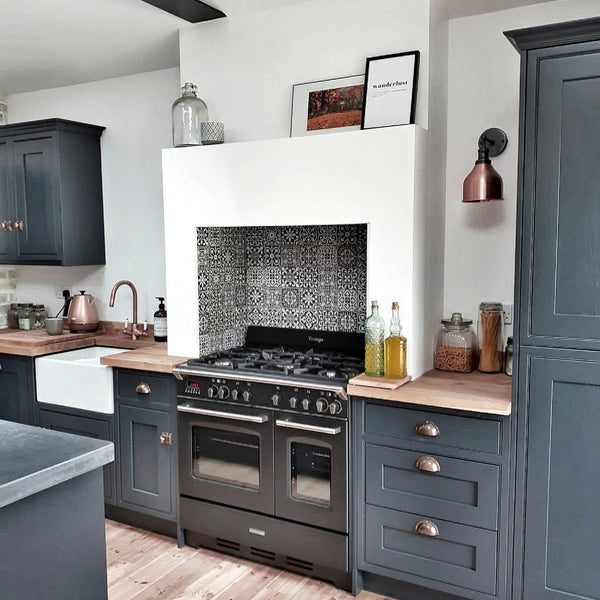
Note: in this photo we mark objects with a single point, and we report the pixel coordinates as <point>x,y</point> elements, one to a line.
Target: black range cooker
<point>264,452</point>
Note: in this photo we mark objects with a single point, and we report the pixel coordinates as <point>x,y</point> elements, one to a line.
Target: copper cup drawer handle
<point>428,464</point>
<point>166,438</point>
<point>142,388</point>
<point>427,528</point>
<point>427,428</point>
<point>7,225</point>
<point>19,225</point>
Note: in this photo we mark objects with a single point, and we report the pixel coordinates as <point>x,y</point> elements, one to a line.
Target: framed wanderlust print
<point>390,90</point>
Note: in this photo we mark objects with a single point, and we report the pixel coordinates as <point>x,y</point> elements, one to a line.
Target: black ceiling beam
<point>193,11</point>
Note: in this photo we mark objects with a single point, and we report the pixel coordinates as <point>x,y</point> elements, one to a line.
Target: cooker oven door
<point>311,471</point>
<point>225,454</point>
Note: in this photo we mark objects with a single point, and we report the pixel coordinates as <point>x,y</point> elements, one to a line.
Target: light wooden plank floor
<point>146,566</point>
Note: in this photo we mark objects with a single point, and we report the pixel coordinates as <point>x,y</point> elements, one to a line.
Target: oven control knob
<point>275,399</point>
<point>293,402</point>
<point>223,392</point>
<point>306,404</point>
<point>322,405</point>
<point>212,391</point>
<point>335,408</point>
<point>234,394</point>
<point>246,395</point>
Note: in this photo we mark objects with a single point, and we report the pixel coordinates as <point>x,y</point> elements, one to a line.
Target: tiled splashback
<point>303,277</point>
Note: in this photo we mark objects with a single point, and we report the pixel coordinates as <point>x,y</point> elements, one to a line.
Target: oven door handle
<point>305,427</point>
<point>223,414</point>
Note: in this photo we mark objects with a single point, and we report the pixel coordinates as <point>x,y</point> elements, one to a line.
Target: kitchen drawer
<point>467,433</point>
<point>460,555</point>
<point>462,491</point>
<point>158,391</point>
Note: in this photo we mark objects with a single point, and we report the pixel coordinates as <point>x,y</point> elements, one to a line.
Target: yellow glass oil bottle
<point>395,348</point>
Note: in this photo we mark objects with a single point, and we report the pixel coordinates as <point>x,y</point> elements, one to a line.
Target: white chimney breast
<point>365,176</point>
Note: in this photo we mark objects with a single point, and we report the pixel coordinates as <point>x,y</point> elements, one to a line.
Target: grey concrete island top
<point>33,459</point>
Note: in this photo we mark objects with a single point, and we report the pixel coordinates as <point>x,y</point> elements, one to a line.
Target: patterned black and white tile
<point>301,277</point>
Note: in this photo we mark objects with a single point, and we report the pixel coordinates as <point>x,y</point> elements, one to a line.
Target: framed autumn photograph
<point>331,104</point>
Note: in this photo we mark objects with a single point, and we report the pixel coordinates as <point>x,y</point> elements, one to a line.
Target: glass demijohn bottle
<point>395,348</point>
<point>188,112</point>
<point>374,344</point>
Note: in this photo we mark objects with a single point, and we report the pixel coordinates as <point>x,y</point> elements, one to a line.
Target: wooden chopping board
<point>384,383</point>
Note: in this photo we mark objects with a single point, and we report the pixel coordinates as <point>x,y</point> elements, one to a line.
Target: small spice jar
<point>489,331</point>
<point>508,356</point>
<point>456,345</point>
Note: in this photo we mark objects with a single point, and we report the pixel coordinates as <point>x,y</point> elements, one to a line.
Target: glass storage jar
<point>188,112</point>
<point>456,345</point>
<point>13,316</point>
<point>38,316</point>
<point>25,315</point>
<point>489,331</point>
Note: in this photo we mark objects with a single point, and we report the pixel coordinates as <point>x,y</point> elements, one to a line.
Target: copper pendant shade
<point>483,183</point>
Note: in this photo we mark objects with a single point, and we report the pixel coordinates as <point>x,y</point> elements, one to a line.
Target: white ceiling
<point>45,44</point>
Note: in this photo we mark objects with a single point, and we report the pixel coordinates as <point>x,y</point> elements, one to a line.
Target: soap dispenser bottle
<point>160,321</point>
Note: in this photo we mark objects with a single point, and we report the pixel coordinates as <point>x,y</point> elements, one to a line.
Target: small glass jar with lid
<point>25,315</point>
<point>489,332</point>
<point>12,316</point>
<point>38,316</point>
<point>456,345</point>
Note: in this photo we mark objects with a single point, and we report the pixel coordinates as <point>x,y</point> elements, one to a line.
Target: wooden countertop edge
<point>48,348</point>
<point>472,392</point>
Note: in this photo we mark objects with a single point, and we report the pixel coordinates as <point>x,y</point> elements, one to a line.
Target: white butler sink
<point>76,379</point>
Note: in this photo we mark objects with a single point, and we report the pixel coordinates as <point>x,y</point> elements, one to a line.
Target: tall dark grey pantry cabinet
<point>557,373</point>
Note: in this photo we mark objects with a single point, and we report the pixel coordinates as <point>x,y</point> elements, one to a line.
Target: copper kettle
<point>82,315</point>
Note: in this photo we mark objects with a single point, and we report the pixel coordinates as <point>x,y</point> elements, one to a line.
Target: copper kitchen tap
<point>135,331</point>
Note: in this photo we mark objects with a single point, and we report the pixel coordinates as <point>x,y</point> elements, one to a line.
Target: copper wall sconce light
<point>483,183</point>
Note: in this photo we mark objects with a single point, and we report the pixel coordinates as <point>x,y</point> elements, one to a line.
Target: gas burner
<point>329,373</point>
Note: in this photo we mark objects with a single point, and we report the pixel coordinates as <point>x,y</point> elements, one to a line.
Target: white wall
<point>245,66</point>
<point>136,112</point>
<point>483,92</point>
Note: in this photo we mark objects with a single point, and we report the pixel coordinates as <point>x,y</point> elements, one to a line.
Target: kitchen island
<point>51,514</point>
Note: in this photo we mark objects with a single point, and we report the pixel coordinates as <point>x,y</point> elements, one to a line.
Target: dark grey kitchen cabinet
<point>147,458</point>
<point>431,511</point>
<point>17,388</point>
<point>88,424</point>
<point>560,392</point>
<point>556,400</point>
<point>51,193</point>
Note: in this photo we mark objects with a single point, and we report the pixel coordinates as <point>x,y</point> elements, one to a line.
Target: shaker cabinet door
<point>16,388</point>
<point>559,393</point>
<point>37,212</point>
<point>145,460</point>
<point>7,213</point>
<point>560,280</point>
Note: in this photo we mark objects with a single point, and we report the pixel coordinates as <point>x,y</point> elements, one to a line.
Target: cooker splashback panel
<point>301,277</point>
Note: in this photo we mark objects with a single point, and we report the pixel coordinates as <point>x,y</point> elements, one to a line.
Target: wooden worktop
<point>143,354</point>
<point>37,342</point>
<point>150,358</point>
<point>475,392</point>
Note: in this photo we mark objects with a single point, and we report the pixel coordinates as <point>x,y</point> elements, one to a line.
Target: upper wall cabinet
<point>559,256</point>
<point>51,193</point>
